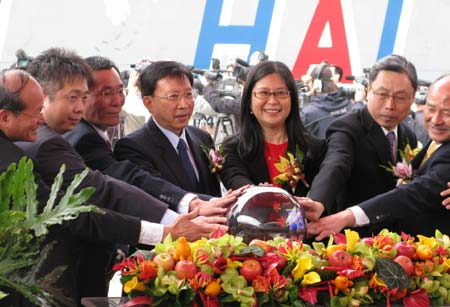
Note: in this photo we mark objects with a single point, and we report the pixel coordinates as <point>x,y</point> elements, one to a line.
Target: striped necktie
<point>431,149</point>
<point>392,145</point>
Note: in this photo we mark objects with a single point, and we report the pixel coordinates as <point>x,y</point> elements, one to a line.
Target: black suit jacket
<point>351,171</point>
<point>238,172</point>
<point>50,151</point>
<point>70,237</point>
<point>149,148</point>
<point>417,205</point>
<point>98,155</point>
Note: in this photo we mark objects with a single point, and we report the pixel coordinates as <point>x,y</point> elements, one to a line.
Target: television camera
<point>227,82</point>
<point>359,82</point>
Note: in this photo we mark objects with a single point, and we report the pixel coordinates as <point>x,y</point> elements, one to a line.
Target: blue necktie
<point>392,145</point>
<point>186,162</point>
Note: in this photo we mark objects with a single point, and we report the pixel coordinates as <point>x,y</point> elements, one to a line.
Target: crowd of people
<point>157,180</point>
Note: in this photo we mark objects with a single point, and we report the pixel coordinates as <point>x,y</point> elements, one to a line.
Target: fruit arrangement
<point>385,269</point>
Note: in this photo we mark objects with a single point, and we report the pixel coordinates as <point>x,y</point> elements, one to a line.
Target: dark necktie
<point>186,162</point>
<point>392,145</point>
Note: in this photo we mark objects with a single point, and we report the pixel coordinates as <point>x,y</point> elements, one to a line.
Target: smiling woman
<point>271,127</point>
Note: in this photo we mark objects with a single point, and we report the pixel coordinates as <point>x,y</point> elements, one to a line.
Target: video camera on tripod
<point>227,82</point>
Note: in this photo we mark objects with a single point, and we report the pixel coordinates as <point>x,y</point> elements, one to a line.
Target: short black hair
<point>159,70</point>
<point>395,63</point>
<point>56,66</point>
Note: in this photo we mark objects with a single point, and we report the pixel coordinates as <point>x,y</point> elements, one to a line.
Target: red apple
<point>405,249</point>
<point>251,269</point>
<point>341,259</point>
<point>185,269</point>
<point>368,241</point>
<point>165,260</point>
<point>406,263</point>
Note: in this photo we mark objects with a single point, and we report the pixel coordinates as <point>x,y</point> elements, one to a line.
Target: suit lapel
<point>200,158</point>
<point>168,155</point>
<point>402,138</point>
<point>376,138</point>
<point>417,161</point>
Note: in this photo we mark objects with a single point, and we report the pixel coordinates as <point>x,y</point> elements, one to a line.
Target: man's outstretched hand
<point>194,227</point>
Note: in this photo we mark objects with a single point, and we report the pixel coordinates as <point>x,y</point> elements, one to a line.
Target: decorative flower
<point>291,170</point>
<point>403,170</point>
<point>292,273</point>
<point>216,158</point>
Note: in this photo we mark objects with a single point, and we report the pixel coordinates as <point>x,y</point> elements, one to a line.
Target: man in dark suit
<point>90,139</point>
<point>63,76</point>
<point>418,205</point>
<point>358,142</point>
<point>21,101</point>
<point>166,146</point>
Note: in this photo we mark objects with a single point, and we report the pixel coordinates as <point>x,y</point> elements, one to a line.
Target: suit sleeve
<point>234,173</point>
<point>336,166</point>
<point>101,158</point>
<point>109,193</point>
<point>420,196</point>
<point>127,149</point>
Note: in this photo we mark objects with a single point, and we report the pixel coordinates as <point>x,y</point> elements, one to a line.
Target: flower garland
<point>348,271</point>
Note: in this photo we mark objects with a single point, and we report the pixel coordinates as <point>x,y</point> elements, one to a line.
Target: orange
<point>424,252</point>
<point>213,288</point>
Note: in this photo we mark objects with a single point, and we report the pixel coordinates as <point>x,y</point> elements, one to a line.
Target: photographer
<point>225,104</point>
<point>326,103</point>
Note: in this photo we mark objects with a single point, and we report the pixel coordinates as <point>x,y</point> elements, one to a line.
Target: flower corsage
<point>291,169</point>
<point>403,170</point>
<point>216,158</point>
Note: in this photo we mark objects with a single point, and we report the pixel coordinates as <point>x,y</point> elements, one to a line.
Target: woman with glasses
<point>271,129</point>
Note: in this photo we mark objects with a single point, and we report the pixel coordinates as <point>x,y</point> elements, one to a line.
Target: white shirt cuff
<point>168,217</point>
<point>183,205</point>
<point>151,233</point>
<point>361,218</point>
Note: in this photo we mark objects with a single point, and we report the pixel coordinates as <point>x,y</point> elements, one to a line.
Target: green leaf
<point>392,273</point>
<point>22,230</point>
<point>255,250</point>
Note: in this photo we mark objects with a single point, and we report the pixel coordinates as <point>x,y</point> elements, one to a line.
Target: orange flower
<point>342,283</point>
<point>261,284</point>
<point>147,270</point>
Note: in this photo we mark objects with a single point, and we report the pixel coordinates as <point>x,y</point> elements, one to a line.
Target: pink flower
<point>403,170</point>
<point>216,158</point>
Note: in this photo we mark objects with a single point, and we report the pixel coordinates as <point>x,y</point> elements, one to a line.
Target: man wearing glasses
<point>166,146</point>
<point>89,138</point>
<point>417,206</point>
<point>361,142</point>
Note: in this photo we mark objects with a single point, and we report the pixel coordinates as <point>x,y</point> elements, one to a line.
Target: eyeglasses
<point>177,97</point>
<point>107,94</point>
<point>279,94</point>
<point>398,98</point>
